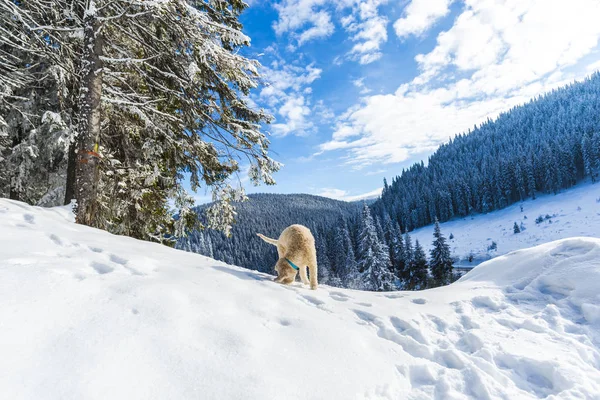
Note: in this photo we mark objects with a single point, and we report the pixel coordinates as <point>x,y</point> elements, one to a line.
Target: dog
<point>296,250</point>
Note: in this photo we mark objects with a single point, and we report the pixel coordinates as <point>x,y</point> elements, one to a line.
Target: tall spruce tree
<point>374,261</point>
<point>408,260</point>
<point>158,89</point>
<point>399,258</point>
<point>418,270</point>
<point>441,262</point>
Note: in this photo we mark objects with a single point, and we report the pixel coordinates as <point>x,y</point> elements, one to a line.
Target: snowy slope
<point>88,315</point>
<point>575,212</point>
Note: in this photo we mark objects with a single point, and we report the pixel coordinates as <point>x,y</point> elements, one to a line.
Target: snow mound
<point>85,314</point>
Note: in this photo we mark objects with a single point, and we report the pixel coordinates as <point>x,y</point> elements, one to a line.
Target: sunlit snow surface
<point>88,315</point>
<point>574,212</point>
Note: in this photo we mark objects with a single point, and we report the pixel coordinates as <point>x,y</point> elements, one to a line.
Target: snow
<point>86,314</point>
<point>575,212</point>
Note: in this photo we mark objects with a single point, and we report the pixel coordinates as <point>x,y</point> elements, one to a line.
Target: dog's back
<point>296,242</point>
<point>297,238</point>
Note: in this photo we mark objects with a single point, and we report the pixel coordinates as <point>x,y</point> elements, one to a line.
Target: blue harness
<point>292,264</point>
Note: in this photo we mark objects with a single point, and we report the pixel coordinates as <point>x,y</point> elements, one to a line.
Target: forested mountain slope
<point>544,146</point>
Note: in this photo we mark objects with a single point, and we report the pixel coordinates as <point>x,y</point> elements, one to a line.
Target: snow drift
<point>89,315</point>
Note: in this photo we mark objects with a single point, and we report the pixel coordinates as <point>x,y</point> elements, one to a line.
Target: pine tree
<point>419,269</point>
<point>374,262</point>
<point>408,259</point>
<point>516,228</point>
<point>441,262</point>
<point>322,259</point>
<point>587,151</point>
<point>399,257</point>
<point>158,88</point>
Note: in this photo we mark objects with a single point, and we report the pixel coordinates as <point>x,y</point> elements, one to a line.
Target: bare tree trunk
<point>86,170</point>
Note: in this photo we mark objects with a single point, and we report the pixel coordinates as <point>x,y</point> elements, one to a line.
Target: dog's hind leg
<point>312,269</point>
<point>303,274</point>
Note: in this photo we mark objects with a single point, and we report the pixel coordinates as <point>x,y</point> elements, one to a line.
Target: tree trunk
<point>86,170</point>
<point>71,164</point>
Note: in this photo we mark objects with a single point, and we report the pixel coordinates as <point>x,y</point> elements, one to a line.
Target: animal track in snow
<point>487,302</point>
<point>406,328</point>
<point>102,268</point>
<point>408,344</point>
<point>449,358</point>
<point>419,301</point>
<point>365,304</point>
<point>117,259</point>
<point>468,323</point>
<point>440,325</point>
<point>339,296</point>
<point>29,218</point>
<point>312,300</point>
<point>421,375</point>
<point>469,343</point>
<point>394,296</point>
<point>96,249</point>
<point>55,239</point>
<point>542,378</point>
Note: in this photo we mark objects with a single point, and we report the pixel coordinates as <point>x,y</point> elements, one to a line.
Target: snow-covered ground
<point>88,315</point>
<point>575,212</point>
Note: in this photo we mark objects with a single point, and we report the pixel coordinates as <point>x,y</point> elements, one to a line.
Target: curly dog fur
<point>297,244</point>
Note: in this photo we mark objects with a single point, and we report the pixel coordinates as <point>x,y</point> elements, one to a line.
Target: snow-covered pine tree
<point>596,149</point>
<point>343,266</point>
<point>161,88</point>
<point>374,261</point>
<point>399,251</point>
<point>441,263</point>
<point>34,101</point>
<point>390,236</point>
<point>408,259</point>
<point>419,270</point>
<point>322,258</point>
<point>587,152</point>
<point>516,228</point>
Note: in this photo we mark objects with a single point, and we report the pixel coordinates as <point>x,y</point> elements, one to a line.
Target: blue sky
<point>362,89</point>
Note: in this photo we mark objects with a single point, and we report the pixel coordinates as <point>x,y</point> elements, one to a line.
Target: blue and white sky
<point>362,89</point>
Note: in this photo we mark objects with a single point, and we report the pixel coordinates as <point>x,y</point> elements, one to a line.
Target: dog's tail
<point>267,239</point>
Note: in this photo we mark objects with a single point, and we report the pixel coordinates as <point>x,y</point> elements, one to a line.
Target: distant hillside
<point>477,238</point>
<point>268,214</point>
<point>544,146</point>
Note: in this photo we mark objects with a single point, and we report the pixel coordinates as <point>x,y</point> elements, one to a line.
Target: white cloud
<point>360,83</point>
<point>339,194</point>
<point>306,20</point>
<point>368,28</point>
<point>295,15</point>
<point>500,53</point>
<point>294,112</point>
<point>420,15</point>
<point>333,193</point>
<point>287,94</point>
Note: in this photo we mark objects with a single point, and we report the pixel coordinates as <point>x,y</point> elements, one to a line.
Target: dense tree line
<point>544,146</point>
<point>354,249</point>
<point>117,103</point>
